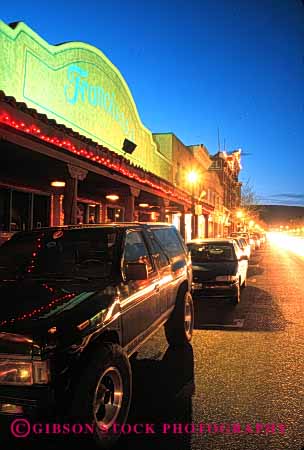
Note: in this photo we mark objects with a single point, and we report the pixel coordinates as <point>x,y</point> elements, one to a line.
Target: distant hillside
<point>276,214</point>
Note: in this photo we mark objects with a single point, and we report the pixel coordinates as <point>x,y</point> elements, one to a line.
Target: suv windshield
<point>211,252</point>
<point>74,252</point>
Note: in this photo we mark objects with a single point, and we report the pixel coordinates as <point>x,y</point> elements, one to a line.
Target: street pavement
<point>245,366</point>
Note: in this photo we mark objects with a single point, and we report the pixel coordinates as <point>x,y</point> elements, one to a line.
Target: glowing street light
<point>192,177</point>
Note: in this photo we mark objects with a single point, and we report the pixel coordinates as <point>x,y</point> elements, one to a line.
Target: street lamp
<point>112,197</point>
<point>57,183</point>
<point>192,178</point>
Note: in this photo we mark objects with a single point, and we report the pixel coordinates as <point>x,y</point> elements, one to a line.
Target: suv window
<point>136,249</point>
<point>162,258</point>
<point>237,249</point>
<point>240,243</point>
<point>68,252</point>
<point>170,241</point>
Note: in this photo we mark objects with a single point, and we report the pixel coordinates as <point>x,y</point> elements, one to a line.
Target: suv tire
<point>103,393</point>
<point>179,328</point>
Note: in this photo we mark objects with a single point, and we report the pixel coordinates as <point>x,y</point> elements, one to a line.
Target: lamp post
<point>192,179</point>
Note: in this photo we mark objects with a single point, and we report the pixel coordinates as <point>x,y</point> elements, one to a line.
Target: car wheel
<point>103,394</point>
<point>179,327</point>
<point>237,297</point>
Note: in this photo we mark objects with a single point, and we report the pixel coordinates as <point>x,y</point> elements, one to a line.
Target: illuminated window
<point>115,214</point>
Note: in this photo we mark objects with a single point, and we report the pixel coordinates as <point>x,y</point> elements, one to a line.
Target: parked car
<point>219,268</point>
<point>256,238</point>
<point>262,238</point>
<point>76,303</point>
<point>244,245</point>
<point>247,236</point>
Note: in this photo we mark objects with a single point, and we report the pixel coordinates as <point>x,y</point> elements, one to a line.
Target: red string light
<point>36,311</point>
<point>95,158</point>
<point>31,266</point>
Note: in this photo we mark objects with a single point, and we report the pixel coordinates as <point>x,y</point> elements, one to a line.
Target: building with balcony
<point>216,191</point>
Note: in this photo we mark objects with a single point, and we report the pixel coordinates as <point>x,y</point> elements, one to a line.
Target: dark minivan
<point>76,303</point>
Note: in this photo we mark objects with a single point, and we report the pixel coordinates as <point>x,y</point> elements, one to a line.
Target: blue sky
<point>197,66</point>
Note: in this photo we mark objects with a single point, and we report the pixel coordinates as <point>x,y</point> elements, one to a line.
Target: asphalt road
<point>245,366</point>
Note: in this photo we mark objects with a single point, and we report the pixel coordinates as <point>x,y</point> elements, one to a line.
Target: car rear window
<point>211,252</point>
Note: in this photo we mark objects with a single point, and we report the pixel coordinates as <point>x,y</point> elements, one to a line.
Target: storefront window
<point>81,212</point>
<point>41,211</point>
<point>88,213</point>
<point>93,214</point>
<point>115,214</point>
<point>20,220</point>
<point>176,220</point>
<point>144,216</point>
<point>188,227</point>
<point>22,211</point>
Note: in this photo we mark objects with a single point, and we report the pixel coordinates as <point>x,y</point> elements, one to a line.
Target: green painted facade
<point>76,84</point>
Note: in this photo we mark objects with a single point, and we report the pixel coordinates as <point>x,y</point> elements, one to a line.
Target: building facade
<point>228,167</point>
<point>74,150</point>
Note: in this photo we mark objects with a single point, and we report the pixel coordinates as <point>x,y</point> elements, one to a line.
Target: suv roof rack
<point>102,225</point>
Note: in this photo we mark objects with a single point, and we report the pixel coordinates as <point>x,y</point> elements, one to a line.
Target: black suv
<point>76,302</point>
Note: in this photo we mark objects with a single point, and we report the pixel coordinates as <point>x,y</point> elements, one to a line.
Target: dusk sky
<point>196,67</point>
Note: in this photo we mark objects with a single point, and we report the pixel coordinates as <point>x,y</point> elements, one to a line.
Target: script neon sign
<point>79,90</point>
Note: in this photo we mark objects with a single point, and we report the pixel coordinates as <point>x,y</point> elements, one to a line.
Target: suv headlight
<point>230,278</point>
<point>23,372</point>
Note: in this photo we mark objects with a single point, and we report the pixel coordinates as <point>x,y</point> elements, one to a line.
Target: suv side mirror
<point>136,271</point>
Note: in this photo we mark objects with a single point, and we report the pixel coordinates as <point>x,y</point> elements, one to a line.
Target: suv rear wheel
<point>179,328</point>
<point>103,393</point>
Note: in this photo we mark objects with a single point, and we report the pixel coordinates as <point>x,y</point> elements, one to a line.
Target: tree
<point>250,204</point>
<point>249,199</point>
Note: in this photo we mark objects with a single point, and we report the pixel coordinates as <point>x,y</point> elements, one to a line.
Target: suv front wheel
<point>179,328</point>
<point>103,393</point>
